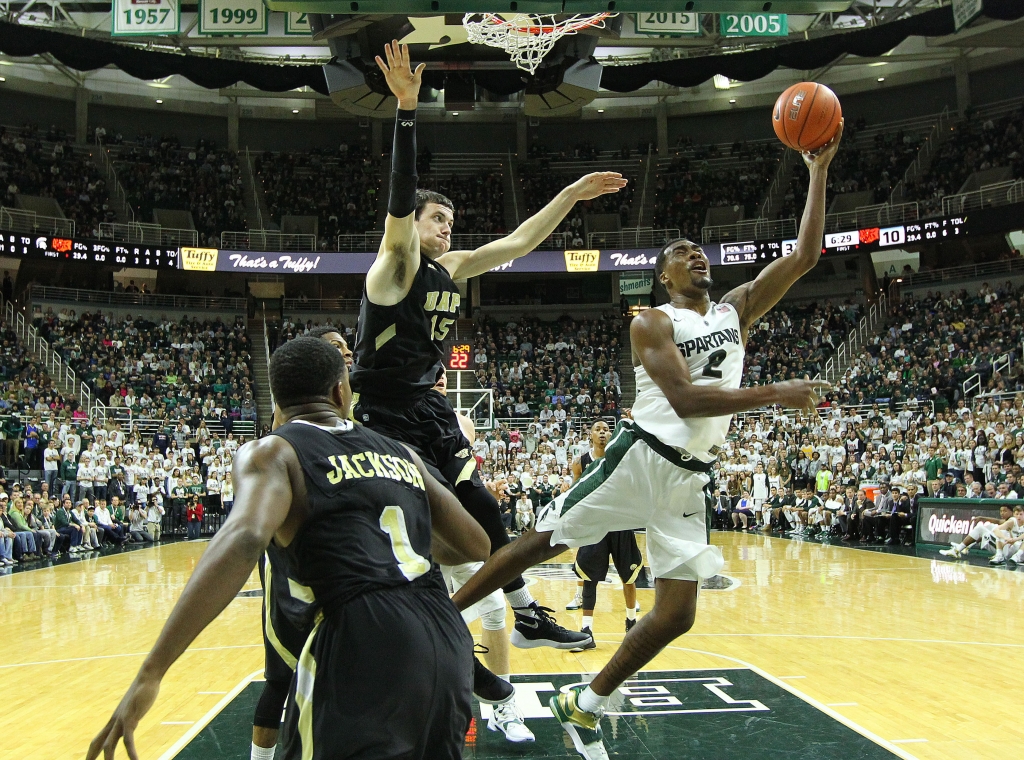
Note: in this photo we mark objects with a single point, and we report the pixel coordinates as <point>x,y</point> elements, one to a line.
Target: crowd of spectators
<point>340,187</point>
<point>103,487</point>
<point>478,200</point>
<point>33,162</point>
<point>157,172</point>
<point>876,164</point>
<point>976,144</point>
<point>550,370</point>
<point>689,183</point>
<point>25,387</point>
<point>193,370</point>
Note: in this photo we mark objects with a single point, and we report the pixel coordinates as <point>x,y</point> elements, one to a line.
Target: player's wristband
<point>402,200</point>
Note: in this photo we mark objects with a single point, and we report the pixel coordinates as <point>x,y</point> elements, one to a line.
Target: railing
<point>40,293</point>
<point>146,426</point>
<point>252,185</point>
<point>320,304</point>
<point>56,367</point>
<point>997,396</point>
<point>778,185</point>
<point>966,272</point>
<point>846,351</point>
<point>847,410</point>
<point>999,365</point>
<point>512,180</point>
<point>575,423</point>
<point>267,240</point>
<point>643,192</point>
<point>370,241</point>
<point>632,237</point>
<point>940,129</point>
<point>750,229</point>
<point>266,352</point>
<point>115,187</point>
<point>145,232</point>
<point>877,215</point>
<point>20,220</point>
<point>989,196</point>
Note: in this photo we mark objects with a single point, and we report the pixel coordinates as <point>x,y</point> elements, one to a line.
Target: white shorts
<point>458,575</point>
<point>641,483</point>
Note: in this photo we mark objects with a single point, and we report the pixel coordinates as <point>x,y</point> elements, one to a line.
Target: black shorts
<point>430,426</point>
<point>282,639</point>
<point>592,561</point>
<point>387,676</point>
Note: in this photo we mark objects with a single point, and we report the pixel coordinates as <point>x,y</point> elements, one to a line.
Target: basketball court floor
<point>800,650</point>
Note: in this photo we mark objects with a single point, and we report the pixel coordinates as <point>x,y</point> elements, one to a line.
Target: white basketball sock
<point>590,701</point>
<point>520,600</point>
<point>631,613</point>
<point>588,622</point>
<point>262,753</point>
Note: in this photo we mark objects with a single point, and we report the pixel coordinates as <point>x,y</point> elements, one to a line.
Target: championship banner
<point>248,17</point>
<point>131,18</point>
<point>943,521</point>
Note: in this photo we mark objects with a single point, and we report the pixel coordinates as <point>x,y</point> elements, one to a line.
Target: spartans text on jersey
<point>706,342</point>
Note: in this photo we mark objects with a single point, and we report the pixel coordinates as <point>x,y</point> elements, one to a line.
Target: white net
<point>526,37</point>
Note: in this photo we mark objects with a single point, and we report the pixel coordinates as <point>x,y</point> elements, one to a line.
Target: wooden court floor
<point>923,654</point>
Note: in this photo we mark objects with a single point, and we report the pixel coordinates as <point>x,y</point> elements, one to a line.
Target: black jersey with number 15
<point>399,349</point>
<point>369,522</point>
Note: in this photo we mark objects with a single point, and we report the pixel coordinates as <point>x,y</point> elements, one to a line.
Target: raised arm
<point>262,504</point>
<point>757,297</point>
<point>534,231</point>
<point>392,272</point>
<point>456,536</point>
<point>651,336</point>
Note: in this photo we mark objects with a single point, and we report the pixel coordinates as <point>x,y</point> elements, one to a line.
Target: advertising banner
<point>941,521</point>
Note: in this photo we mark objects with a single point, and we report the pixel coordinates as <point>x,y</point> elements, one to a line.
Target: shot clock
<point>458,355</point>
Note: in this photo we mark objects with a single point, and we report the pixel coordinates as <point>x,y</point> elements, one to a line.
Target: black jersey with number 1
<point>399,349</point>
<point>387,668</point>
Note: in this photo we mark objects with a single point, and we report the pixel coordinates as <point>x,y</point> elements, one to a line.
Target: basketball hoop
<point>527,37</point>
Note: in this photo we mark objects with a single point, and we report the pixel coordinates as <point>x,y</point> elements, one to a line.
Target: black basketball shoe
<point>541,630</point>
<point>487,687</point>
<point>630,624</point>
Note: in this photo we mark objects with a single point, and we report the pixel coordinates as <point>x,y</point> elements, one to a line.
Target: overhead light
<point>732,100</point>
<point>879,63</point>
<point>160,85</point>
<point>881,79</point>
<point>600,110</point>
<point>295,110</point>
<point>455,113</point>
<point>159,101</point>
<point>722,82</point>
<point>3,79</point>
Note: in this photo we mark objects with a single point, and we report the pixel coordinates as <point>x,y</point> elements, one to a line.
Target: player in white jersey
<point>688,357</point>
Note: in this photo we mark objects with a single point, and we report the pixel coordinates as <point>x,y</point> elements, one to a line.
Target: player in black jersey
<point>408,308</point>
<point>387,669</point>
<point>591,564</point>
<point>285,618</point>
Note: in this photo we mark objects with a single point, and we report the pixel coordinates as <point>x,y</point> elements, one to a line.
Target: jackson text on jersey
<point>373,464</point>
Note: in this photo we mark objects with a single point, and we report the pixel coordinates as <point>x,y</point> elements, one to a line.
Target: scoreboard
<point>848,241</point>
<point>56,248</point>
<point>458,354</point>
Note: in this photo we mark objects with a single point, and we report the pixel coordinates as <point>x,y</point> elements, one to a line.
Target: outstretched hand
<point>823,156</point>
<point>597,183</point>
<point>137,701</point>
<point>398,72</point>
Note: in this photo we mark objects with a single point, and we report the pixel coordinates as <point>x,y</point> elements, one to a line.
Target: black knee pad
<point>270,708</point>
<point>589,594</point>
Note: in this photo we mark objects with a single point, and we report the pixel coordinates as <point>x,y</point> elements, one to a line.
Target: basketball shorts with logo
<point>592,561</point>
<point>389,674</point>
<point>641,482</point>
<point>427,424</point>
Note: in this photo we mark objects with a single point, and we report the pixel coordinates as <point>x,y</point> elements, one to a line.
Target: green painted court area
<point>661,715</point>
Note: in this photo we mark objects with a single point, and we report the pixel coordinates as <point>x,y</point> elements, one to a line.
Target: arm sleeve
<point>402,199</point>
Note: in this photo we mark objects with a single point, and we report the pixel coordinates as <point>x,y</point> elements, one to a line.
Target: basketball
<point>806,116</point>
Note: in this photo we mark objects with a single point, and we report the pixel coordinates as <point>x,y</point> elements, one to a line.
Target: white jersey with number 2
<point>713,350</point>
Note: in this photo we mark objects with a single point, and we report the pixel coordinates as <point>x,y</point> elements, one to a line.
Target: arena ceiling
<point>46,46</point>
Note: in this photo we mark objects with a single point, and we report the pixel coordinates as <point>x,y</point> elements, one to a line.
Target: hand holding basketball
<point>597,183</point>
<point>398,72</point>
<point>823,156</point>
